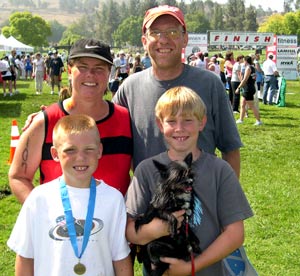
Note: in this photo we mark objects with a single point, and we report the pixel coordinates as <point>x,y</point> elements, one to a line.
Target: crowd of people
<point>242,88</point>
<point>133,127</point>
<point>47,68</point>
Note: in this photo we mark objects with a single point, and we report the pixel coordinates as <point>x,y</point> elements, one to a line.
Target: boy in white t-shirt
<point>75,224</point>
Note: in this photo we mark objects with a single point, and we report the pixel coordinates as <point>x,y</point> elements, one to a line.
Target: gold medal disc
<point>79,269</point>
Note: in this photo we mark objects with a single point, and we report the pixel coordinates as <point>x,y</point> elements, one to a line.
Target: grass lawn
<point>270,176</point>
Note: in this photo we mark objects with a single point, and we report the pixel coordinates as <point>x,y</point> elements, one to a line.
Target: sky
<point>275,5</point>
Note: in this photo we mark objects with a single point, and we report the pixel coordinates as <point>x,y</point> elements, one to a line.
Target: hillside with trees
<point>119,22</point>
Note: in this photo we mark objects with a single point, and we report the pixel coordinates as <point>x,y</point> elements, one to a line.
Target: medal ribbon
<point>70,219</point>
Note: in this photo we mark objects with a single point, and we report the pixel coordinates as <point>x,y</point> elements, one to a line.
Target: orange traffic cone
<point>15,135</point>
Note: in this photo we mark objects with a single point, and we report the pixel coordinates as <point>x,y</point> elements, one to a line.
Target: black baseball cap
<point>91,48</point>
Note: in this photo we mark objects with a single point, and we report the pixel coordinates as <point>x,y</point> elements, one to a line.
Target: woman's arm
<point>27,159</point>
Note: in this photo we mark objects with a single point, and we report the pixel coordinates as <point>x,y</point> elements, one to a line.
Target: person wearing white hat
<point>270,81</point>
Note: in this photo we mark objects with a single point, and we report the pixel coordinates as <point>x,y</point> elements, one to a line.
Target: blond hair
<point>74,124</point>
<point>182,99</point>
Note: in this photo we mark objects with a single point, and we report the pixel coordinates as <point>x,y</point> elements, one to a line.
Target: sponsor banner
<point>286,63</point>
<point>287,40</point>
<point>287,52</point>
<point>197,43</point>
<point>240,38</point>
<point>287,55</point>
<point>289,75</point>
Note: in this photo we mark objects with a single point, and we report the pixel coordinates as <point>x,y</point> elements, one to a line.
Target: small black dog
<point>174,192</point>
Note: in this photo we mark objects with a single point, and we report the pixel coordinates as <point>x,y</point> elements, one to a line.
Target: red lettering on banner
<point>226,38</point>
<point>256,38</point>
<point>247,38</point>
<point>267,39</point>
<point>216,38</point>
<point>236,38</point>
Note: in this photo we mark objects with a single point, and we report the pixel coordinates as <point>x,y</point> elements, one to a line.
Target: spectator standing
<point>28,67</point>
<point>6,76</point>
<point>229,62</point>
<point>56,68</point>
<point>20,66</point>
<point>236,79</point>
<point>137,65</point>
<point>123,66</point>
<point>200,62</point>
<point>248,86</point>
<point>76,223</point>
<point>38,73</point>
<point>259,73</point>
<point>270,72</point>
<point>114,80</point>
<point>146,61</point>
<point>14,70</point>
<point>221,62</point>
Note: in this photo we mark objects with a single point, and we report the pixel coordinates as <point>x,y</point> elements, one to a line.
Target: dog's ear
<point>161,168</point>
<point>189,159</point>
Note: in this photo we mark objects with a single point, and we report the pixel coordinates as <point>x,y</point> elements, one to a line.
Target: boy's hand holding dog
<point>155,229</point>
<point>177,267</point>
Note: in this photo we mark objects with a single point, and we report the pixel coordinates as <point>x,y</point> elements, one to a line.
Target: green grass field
<point>270,177</point>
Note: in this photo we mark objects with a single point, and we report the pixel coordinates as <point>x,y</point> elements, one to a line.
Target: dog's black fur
<point>173,193</point>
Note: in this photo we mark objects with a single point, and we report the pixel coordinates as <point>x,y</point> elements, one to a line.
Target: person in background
<point>270,72</point>
<point>20,66</point>
<point>124,66</point>
<point>76,223</point>
<point>6,76</point>
<point>114,80</point>
<point>181,117</point>
<point>137,65</point>
<point>259,73</point>
<point>28,67</point>
<point>56,68</point>
<point>14,70</point>
<point>236,79</point>
<point>229,62</point>
<point>146,61</point>
<point>248,86</point>
<point>221,62</point>
<point>200,62</point>
<point>39,70</point>
<point>90,69</point>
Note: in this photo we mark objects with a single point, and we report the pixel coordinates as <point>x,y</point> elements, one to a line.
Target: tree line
<point>119,23</point>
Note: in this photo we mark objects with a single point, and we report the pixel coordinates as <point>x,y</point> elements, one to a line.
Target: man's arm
<point>27,159</point>
<point>24,266</point>
<point>234,159</point>
<point>123,267</point>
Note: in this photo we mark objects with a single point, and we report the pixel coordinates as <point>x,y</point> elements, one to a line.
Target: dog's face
<point>175,190</point>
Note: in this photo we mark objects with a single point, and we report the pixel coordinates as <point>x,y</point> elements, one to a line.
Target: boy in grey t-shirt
<point>181,116</point>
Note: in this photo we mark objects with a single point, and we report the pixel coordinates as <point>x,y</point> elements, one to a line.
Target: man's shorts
<point>55,79</point>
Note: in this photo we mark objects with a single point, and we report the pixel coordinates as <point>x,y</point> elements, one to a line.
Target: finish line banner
<point>240,38</point>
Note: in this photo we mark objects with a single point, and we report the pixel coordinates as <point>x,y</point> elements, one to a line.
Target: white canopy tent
<point>3,43</point>
<point>7,44</point>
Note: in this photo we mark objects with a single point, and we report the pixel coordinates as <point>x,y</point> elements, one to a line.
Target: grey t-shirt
<point>140,92</point>
<point>222,200</point>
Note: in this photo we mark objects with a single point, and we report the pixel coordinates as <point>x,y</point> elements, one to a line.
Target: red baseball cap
<point>152,14</point>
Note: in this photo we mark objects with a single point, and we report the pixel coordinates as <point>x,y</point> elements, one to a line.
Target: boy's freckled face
<point>181,132</point>
<point>79,154</point>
